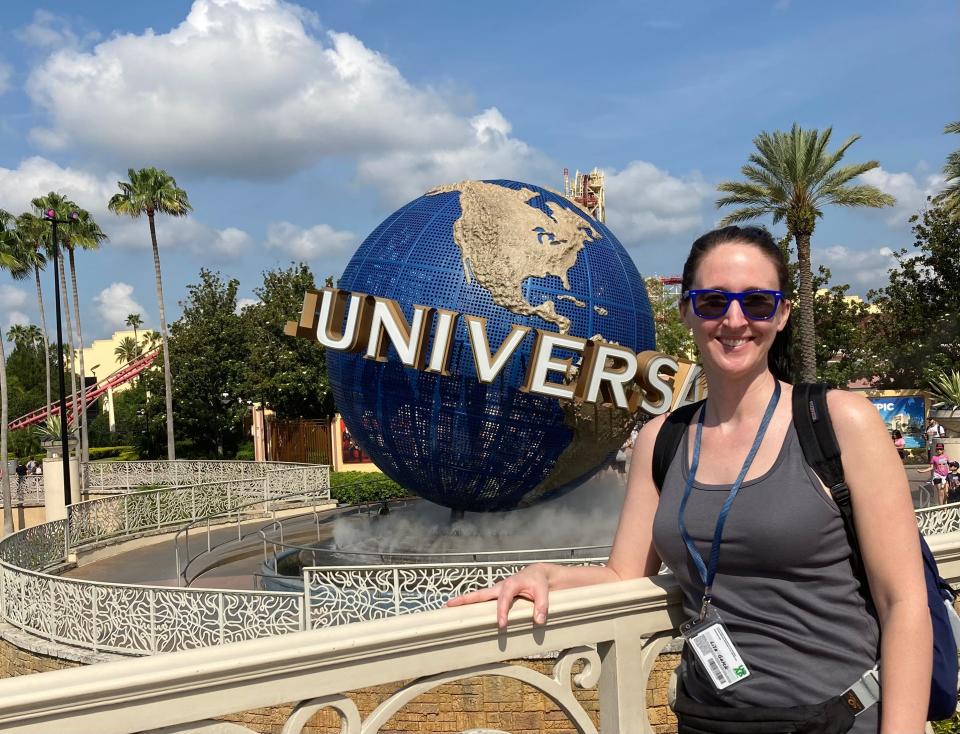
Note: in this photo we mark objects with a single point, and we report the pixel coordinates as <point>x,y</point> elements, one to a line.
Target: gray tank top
<point>784,585</point>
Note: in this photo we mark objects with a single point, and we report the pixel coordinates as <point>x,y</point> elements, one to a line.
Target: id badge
<point>715,651</point>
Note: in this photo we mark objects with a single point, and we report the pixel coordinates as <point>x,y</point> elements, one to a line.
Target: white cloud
<point>6,72</point>
<point>48,30</point>
<point>484,151</point>
<point>911,195</point>
<point>182,233</point>
<point>321,240</point>
<point>115,303</point>
<point>861,269</point>
<point>242,303</point>
<point>37,176</point>
<point>239,88</point>
<point>11,297</point>
<point>647,203</point>
<point>15,318</point>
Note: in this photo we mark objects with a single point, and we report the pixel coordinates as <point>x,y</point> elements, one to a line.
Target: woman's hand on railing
<point>531,583</point>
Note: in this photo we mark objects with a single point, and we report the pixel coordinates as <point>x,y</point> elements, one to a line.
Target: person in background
<point>934,433</point>
<point>953,482</point>
<point>900,443</point>
<point>940,467</point>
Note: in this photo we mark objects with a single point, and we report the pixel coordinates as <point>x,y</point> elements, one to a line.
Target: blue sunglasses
<point>713,304</point>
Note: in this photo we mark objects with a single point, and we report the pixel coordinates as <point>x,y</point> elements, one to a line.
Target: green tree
<point>208,354</point>
<point>134,321</point>
<point>844,349</point>
<point>86,234</point>
<point>7,262</point>
<point>949,198</point>
<point>289,375</point>
<point>127,350</point>
<point>33,238</point>
<point>791,176</point>
<point>917,332</point>
<point>151,191</point>
<point>673,336</point>
<point>63,207</point>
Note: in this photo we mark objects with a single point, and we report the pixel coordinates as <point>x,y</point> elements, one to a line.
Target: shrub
<point>109,452</point>
<point>245,452</point>
<point>356,487</point>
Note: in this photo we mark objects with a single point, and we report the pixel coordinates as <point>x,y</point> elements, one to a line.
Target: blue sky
<point>296,128</point>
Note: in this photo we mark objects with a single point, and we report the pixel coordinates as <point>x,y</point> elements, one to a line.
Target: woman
<point>783,585</point>
<point>899,443</point>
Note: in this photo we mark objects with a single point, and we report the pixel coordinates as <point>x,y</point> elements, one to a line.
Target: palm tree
<point>84,233</point>
<point>24,336</point>
<point>791,176</point>
<point>33,235</point>
<point>127,351</point>
<point>63,206</point>
<point>151,191</point>
<point>949,198</point>
<point>134,321</point>
<point>7,262</point>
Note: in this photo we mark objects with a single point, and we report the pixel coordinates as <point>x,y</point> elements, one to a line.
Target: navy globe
<point>450,438</point>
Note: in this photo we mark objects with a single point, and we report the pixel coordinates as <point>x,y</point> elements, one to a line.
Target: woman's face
<point>733,343</point>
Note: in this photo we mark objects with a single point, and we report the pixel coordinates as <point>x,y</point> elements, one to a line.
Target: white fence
<point>616,630</point>
<point>137,619</point>
<point>104,476</point>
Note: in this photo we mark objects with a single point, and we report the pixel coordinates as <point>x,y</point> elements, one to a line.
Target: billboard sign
<point>903,413</point>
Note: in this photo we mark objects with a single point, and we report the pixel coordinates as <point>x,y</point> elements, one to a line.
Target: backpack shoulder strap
<point>669,438</point>
<point>817,439</point>
<point>822,453</point>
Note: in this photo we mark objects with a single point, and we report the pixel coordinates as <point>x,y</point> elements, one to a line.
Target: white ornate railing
<point>104,476</point>
<point>139,619</point>
<point>617,630</point>
<point>939,519</point>
<point>337,595</point>
<point>28,490</point>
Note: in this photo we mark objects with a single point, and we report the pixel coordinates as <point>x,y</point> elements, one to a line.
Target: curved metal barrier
<point>102,477</point>
<point>136,619</point>
<point>939,519</point>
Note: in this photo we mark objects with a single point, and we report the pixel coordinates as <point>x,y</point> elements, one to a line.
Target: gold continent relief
<point>503,241</point>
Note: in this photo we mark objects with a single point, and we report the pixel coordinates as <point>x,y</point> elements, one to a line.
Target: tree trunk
<point>4,469</point>
<point>84,436</point>
<point>46,339</point>
<point>808,336</point>
<point>167,381</point>
<point>74,388</point>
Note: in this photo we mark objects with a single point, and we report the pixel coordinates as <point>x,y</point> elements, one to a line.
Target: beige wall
<point>101,353</point>
<point>26,517</point>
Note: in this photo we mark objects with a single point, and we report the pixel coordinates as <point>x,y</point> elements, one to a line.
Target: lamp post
<point>51,216</point>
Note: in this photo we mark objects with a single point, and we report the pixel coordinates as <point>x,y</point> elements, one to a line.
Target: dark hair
<point>897,434</point>
<point>779,358</point>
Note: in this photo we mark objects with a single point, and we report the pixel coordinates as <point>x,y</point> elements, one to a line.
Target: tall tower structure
<point>587,191</point>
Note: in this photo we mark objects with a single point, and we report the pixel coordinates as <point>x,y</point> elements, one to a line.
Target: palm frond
<point>746,214</point>
<point>860,195</point>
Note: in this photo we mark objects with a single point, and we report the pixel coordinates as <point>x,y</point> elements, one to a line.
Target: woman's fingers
<point>474,597</point>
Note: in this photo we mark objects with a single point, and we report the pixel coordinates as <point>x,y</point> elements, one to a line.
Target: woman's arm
<point>887,530</point>
<point>632,554</point>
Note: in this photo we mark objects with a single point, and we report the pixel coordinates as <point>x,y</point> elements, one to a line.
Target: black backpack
<point>822,452</point>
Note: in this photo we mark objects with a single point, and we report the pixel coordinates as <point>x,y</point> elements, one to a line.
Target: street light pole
<point>51,216</point>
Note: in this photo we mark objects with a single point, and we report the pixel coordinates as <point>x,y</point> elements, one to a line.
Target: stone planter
<point>52,447</point>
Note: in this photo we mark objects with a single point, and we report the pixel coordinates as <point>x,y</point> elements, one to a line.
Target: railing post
<point>129,469</point>
<point>94,611</point>
<point>157,495</point>
<point>66,537</point>
<point>152,595</point>
<point>305,612</point>
<point>396,591</point>
<point>193,502</point>
<point>126,512</point>
<point>221,616</point>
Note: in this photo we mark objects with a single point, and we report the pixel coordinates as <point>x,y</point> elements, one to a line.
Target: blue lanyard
<point>707,574</point>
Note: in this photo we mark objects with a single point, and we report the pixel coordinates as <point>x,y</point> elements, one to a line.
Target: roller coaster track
<point>120,377</point>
